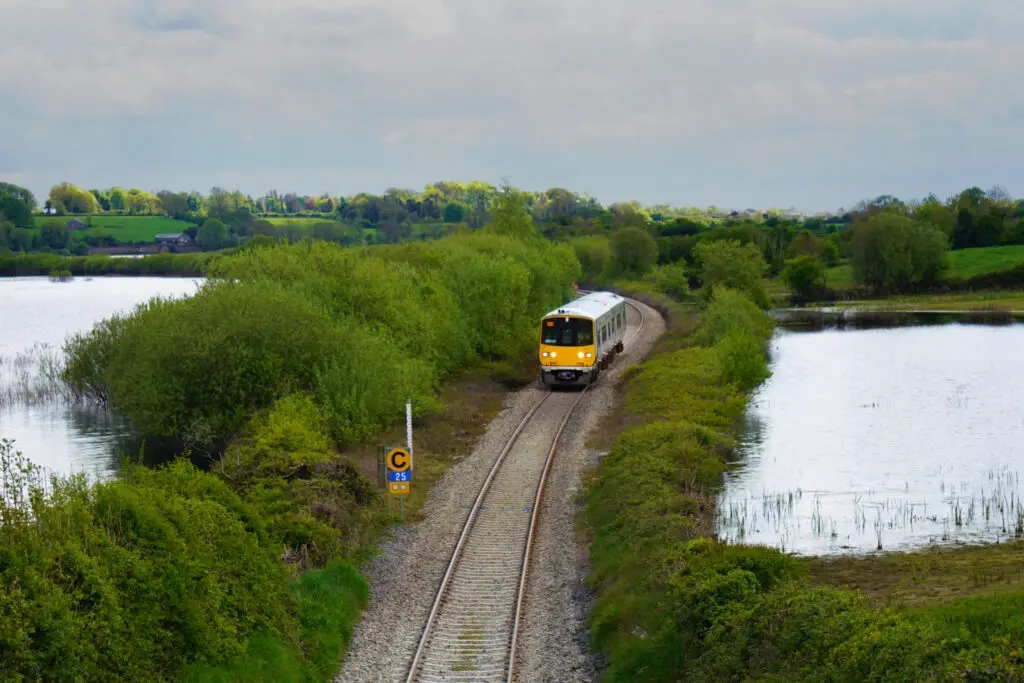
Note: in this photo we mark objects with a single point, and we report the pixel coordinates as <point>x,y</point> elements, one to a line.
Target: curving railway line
<point>472,630</point>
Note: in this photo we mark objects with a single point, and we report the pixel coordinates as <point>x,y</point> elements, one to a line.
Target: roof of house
<point>171,236</point>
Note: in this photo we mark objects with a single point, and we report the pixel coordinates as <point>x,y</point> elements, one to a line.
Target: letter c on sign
<point>398,460</point>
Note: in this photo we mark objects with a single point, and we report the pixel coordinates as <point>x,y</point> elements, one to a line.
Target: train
<point>581,338</point>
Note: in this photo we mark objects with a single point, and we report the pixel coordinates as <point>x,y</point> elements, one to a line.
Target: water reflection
<point>891,438</point>
<point>36,317</point>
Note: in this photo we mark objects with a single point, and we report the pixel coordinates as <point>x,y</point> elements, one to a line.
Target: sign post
<point>399,464</point>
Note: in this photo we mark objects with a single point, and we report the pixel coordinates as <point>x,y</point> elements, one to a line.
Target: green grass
<point>328,602</point>
<point>305,223</point>
<point>925,577</point>
<point>125,229</point>
<point>960,301</point>
<point>840,277</point>
<point>963,264</point>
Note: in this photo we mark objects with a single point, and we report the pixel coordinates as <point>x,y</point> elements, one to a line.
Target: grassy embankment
<point>673,605</point>
<point>124,229</point>
<point>298,359</point>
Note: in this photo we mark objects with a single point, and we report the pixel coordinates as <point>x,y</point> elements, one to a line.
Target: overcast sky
<point>811,104</point>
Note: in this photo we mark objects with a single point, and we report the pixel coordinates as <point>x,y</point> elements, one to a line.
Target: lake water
<point>883,438</point>
<point>36,316</point>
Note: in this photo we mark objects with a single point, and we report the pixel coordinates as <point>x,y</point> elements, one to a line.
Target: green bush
<point>132,579</point>
<point>805,276</point>
<point>727,263</point>
<point>198,366</point>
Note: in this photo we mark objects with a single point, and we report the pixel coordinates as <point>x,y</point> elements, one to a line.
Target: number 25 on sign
<point>399,476</point>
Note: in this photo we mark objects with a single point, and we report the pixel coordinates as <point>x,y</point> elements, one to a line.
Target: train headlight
<point>553,354</point>
<point>545,354</point>
<point>590,355</point>
<point>580,354</point>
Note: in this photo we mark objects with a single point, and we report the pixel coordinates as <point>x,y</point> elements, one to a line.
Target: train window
<point>567,332</point>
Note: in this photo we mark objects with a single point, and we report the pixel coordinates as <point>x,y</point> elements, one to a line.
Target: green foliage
<point>731,264</point>
<point>159,264</point>
<point>212,234</point>
<point>805,276</point>
<point>454,212</point>
<point>14,209</point>
<point>24,195</point>
<point>132,579</point>
<point>673,605</point>
<point>198,366</point>
<point>595,255</point>
<point>512,214</point>
<point>634,251</point>
<point>893,253</point>
<point>68,199</point>
<point>671,280</point>
<point>328,604</point>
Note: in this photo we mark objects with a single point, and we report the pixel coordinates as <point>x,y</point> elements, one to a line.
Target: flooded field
<point>36,317</point>
<point>882,439</point>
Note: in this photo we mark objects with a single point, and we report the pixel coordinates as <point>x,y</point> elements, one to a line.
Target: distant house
<point>75,224</point>
<point>171,238</point>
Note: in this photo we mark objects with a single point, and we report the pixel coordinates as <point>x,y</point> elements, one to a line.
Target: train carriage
<point>579,339</point>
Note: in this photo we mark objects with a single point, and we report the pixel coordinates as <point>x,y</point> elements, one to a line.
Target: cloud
<point>454,77</point>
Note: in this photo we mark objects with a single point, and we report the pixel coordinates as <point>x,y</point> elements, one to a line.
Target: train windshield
<point>567,332</point>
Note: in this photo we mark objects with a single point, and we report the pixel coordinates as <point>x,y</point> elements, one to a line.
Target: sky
<point>803,104</point>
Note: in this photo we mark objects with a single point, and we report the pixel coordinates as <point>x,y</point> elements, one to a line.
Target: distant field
<point>970,262</point>
<point>963,263</point>
<point>123,228</point>
<point>303,222</point>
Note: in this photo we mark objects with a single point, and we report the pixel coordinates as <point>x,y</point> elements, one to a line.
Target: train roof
<point>590,305</point>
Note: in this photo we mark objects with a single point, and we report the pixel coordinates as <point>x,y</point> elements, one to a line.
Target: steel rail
<point>467,527</point>
<point>536,514</point>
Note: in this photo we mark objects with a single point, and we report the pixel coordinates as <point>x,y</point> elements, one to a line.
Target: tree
<point>22,239</point>
<point>21,193</point>
<point>454,212</point>
<point>512,214</point>
<point>998,193</point>
<point>6,235</point>
<point>634,251</point>
<point>117,199</point>
<point>142,202</point>
<point>102,199</point>
<point>830,252</point>
<point>66,198</point>
<point>212,234</point>
<point>14,209</point>
<point>174,204</point>
<point>894,253</point>
<point>54,234</point>
<point>727,263</point>
<point>594,254</point>
<point>805,276</point>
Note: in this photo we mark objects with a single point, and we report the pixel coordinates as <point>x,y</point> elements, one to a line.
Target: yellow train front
<point>579,339</point>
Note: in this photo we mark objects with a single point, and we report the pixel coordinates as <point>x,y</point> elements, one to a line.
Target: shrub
<point>727,263</point>
<point>132,579</point>
<point>805,276</point>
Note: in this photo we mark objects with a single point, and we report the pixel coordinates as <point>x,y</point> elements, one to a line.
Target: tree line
<point>892,244</point>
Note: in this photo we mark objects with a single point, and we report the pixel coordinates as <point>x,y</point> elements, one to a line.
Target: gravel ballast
<point>405,575</point>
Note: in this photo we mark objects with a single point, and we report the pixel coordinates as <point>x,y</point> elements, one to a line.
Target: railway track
<point>472,630</point>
